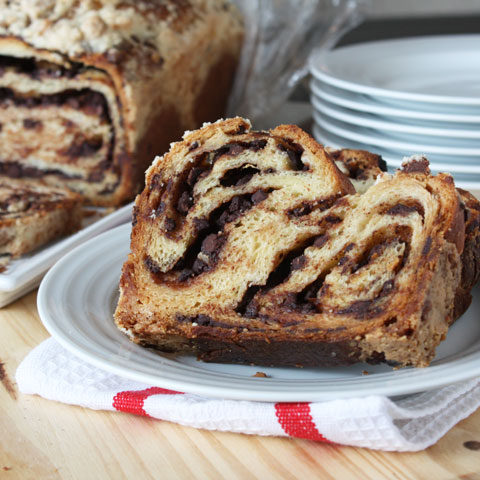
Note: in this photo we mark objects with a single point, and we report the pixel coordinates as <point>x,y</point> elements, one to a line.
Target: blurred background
<point>382,8</point>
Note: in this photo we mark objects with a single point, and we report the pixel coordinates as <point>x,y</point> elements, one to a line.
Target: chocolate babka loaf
<point>252,247</point>
<point>32,214</point>
<point>90,91</point>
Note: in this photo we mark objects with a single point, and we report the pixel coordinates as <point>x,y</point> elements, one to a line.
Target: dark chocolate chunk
<point>16,170</point>
<point>298,262</point>
<point>239,204</point>
<point>182,318</point>
<point>427,246</point>
<point>259,196</point>
<point>257,145</point>
<point>200,224</point>
<point>293,303</point>
<point>84,148</point>
<point>233,210</point>
<point>184,203</point>
<point>235,148</point>
<point>416,166</point>
<point>31,124</point>
<point>96,176</point>
<point>203,320</point>
<point>360,308</point>
<point>12,169</point>
<point>161,208</point>
<point>155,183</point>
<point>302,210</point>
<point>320,240</point>
<point>185,274</point>
<point>211,243</point>
<point>193,176</point>
<point>349,247</point>
<point>208,240</point>
<point>199,266</point>
<point>307,207</point>
<point>472,445</point>
<point>238,176</point>
<point>169,224</point>
<point>402,210</point>
<point>333,219</point>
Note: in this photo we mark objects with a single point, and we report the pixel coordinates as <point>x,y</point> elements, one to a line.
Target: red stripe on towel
<point>296,420</point>
<point>131,401</point>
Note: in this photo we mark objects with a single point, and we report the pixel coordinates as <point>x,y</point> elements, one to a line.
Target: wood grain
<point>42,439</point>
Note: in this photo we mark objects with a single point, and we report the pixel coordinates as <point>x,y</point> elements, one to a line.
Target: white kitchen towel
<point>410,424</point>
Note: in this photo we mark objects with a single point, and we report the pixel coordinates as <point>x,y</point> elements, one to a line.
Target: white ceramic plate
<point>416,112</point>
<point>366,119</point>
<point>78,295</point>
<point>408,143</point>
<point>466,176</point>
<point>439,69</point>
<point>25,273</point>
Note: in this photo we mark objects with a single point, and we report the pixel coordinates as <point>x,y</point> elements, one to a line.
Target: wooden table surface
<point>44,439</point>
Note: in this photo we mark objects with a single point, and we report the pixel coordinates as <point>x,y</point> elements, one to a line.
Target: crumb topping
<point>77,27</point>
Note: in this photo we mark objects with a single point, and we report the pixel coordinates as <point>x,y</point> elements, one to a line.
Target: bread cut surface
<point>252,247</point>
<point>32,214</point>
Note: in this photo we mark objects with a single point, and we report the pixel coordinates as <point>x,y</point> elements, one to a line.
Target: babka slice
<point>363,168</point>
<point>90,90</point>
<point>251,247</point>
<point>32,214</point>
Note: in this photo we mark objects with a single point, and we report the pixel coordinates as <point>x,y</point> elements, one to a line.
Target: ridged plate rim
<point>364,103</point>
<point>371,67</point>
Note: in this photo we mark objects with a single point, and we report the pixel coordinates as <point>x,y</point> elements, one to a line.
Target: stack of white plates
<point>403,97</point>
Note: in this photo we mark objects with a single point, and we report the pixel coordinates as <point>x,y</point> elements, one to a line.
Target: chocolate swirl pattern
<point>89,90</point>
<point>32,214</point>
<point>252,247</point>
<point>363,168</point>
